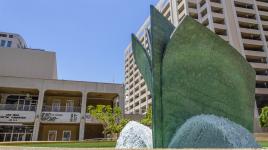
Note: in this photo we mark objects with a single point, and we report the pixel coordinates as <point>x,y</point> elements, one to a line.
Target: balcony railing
<point>17,107</point>
<point>50,108</point>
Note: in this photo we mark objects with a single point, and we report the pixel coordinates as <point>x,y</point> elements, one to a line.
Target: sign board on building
<point>17,116</point>
<point>61,117</point>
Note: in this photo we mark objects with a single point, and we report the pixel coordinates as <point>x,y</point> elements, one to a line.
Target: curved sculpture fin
<point>203,74</point>
<point>161,30</point>
<point>142,59</point>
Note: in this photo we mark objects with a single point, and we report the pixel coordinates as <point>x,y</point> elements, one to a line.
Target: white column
<point>265,47</point>
<point>186,8</point>
<point>210,17</point>
<point>4,98</point>
<point>116,101</point>
<point>83,116</point>
<point>199,11</point>
<point>38,115</point>
<point>121,101</point>
<point>147,102</point>
<point>140,104</point>
<point>233,29</point>
<point>256,124</point>
<point>174,12</point>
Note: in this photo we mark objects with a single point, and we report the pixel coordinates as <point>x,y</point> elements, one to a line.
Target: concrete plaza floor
<point>54,148</point>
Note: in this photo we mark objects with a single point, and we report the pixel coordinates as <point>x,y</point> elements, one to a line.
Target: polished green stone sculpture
<point>191,71</point>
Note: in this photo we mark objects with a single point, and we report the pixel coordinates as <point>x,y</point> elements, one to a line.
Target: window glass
<point>15,133</point>
<point>3,35</point>
<point>9,43</point>
<point>69,106</point>
<point>66,136</point>
<point>56,106</point>
<point>3,43</point>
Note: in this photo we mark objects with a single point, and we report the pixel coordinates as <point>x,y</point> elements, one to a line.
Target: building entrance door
<point>66,136</point>
<point>52,135</point>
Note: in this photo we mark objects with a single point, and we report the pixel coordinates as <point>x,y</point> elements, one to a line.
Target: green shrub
<point>147,120</point>
<point>111,118</point>
<point>264,117</point>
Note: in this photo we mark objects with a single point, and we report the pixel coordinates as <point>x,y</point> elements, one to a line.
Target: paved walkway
<point>48,148</point>
<point>53,148</point>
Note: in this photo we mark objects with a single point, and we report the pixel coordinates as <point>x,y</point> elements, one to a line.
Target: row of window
<point>29,103</point>
<point>56,106</point>
<point>19,134</point>
<point>15,133</point>
<point>5,43</point>
<point>52,135</point>
<point>5,35</point>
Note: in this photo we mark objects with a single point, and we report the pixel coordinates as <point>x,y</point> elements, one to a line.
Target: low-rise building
<point>46,109</point>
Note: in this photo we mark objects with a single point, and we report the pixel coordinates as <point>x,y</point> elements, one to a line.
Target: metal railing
<point>50,108</point>
<point>18,107</point>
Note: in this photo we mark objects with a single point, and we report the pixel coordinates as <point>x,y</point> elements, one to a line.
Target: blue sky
<point>89,36</point>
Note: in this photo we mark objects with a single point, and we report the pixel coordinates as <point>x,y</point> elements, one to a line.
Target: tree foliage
<point>264,117</point>
<point>111,118</point>
<point>147,120</point>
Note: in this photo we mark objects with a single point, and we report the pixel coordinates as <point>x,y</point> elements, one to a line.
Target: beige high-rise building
<point>242,23</point>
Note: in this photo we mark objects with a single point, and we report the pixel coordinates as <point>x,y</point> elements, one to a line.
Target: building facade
<point>12,40</point>
<point>49,110</point>
<point>242,23</point>
<point>18,60</point>
<point>37,106</point>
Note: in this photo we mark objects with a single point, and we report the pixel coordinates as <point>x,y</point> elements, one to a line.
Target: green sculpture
<point>191,71</point>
